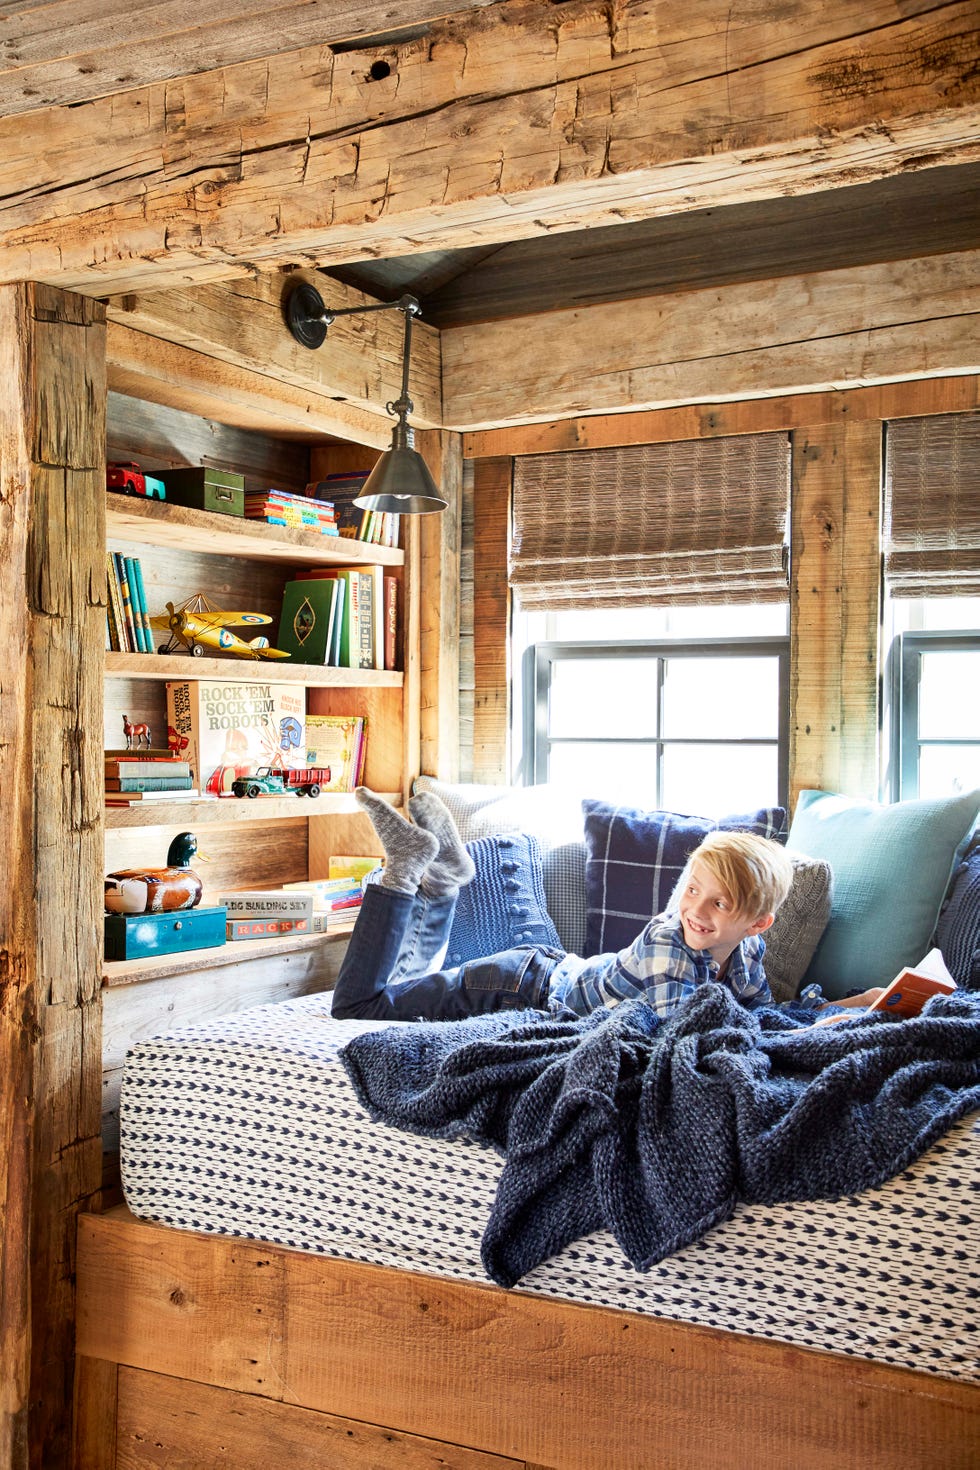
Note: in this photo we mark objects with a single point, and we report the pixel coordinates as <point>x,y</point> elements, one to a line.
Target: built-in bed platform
<point>368,1335</point>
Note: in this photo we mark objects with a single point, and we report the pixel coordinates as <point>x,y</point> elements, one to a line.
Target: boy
<point>726,900</point>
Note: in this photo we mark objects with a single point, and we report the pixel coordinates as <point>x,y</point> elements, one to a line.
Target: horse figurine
<point>135,734</point>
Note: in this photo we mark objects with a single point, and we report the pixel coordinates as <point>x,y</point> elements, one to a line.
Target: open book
<point>911,988</point>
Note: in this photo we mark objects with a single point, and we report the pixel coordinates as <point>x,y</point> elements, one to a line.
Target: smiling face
<point>709,918</point>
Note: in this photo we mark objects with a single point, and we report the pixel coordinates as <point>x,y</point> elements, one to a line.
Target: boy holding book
<point>728,896</point>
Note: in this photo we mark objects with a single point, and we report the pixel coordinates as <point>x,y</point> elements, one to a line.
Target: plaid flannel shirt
<point>661,969</point>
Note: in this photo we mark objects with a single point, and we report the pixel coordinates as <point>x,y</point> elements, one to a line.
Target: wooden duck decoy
<point>157,890</point>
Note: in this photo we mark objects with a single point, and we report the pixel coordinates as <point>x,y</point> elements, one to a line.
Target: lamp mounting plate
<point>306,316</point>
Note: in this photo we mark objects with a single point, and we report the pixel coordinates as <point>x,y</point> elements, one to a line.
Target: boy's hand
<point>866,998</point>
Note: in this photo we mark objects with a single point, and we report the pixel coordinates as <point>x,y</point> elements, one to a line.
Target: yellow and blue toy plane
<point>197,626</point>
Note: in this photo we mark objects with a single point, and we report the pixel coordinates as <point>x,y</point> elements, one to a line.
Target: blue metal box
<point>143,936</point>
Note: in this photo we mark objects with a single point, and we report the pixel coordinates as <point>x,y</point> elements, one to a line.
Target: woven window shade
<point>698,521</point>
<point>932,506</point>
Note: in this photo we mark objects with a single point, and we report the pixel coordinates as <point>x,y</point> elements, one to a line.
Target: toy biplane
<point>196,626</point>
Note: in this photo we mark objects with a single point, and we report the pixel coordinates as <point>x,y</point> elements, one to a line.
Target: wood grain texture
<point>63,51</point>
<point>835,608</point>
<point>161,1421</point>
<point>241,324</point>
<point>94,1425</point>
<point>491,619</point>
<point>141,367</point>
<point>439,612</point>
<point>596,1388</point>
<point>52,601</point>
<point>749,416</point>
<point>878,323</point>
<point>494,125</point>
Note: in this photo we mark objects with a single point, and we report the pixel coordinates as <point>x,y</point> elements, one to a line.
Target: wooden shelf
<point>246,671</point>
<point>133,972</point>
<point>233,809</point>
<point>154,522</point>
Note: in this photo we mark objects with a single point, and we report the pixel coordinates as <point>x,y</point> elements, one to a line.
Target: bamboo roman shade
<point>932,506</point>
<point>701,520</point>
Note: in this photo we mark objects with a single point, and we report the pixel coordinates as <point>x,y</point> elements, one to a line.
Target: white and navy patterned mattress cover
<point>248,1126</point>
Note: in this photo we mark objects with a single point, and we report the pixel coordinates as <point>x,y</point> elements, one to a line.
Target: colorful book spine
<point>127,604</point>
<point>134,598</point>
<point>148,783</point>
<point>265,928</point>
<point>117,629</point>
<point>144,612</point>
<point>390,622</point>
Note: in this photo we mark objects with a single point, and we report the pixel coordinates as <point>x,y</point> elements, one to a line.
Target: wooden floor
<point>202,1351</point>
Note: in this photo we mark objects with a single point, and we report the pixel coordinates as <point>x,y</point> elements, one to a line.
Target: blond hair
<point>755,872</point>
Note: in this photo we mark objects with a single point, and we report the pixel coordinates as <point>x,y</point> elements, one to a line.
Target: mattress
<point>248,1126</point>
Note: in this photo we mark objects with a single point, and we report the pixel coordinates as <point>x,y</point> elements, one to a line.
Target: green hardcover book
<point>304,624</point>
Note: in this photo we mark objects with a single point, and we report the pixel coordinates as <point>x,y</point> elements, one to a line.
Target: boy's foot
<point>452,867</point>
<point>408,850</point>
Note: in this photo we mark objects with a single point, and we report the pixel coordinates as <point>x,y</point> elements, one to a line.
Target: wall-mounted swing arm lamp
<point>400,481</point>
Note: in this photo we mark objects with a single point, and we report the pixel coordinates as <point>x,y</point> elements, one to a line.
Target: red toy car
<point>130,479</point>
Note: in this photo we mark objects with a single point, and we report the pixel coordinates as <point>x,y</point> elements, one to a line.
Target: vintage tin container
<point>207,489</point>
<point>142,936</point>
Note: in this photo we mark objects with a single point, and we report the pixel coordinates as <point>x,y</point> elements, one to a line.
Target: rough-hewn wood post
<point>52,624</point>
<point>835,579</point>
<point>439,631</point>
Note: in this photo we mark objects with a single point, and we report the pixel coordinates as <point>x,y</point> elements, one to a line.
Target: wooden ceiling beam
<point>63,52</point>
<point>873,324</point>
<point>500,123</point>
<point>239,326</point>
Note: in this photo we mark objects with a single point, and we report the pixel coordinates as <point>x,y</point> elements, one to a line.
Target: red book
<point>390,622</point>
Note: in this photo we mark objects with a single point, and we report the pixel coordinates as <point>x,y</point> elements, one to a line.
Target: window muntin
<point>699,726</point>
<point>936,723</point>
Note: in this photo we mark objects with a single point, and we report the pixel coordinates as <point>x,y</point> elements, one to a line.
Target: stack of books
<point>315,907</point>
<point>341,490</point>
<point>282,508</point>
<point>264,913</point>
<point>127,616</point>
<point>335,901</point>
<point>142,776</point>
<point>346,618</point>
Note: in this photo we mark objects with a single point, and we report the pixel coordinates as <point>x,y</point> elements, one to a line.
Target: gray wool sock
<point>452,866</point>
<point>408,850</point>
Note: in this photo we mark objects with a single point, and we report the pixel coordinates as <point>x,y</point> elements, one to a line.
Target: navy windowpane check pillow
<point>634,859</point>
<point>504,905</point>
<point>958,930</point>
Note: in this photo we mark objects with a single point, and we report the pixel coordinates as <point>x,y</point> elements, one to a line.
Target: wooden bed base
<point>198,1350</point>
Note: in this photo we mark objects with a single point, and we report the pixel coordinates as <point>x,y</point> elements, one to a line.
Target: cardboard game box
<point>233,728</point>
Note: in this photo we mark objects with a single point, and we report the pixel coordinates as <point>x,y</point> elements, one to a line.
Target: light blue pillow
<point>891,867</point>
<point>504,905</point>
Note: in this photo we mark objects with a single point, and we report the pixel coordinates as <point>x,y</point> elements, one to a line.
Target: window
<point>698,726</point>
<point>937,714</point>
<point>931,536</point>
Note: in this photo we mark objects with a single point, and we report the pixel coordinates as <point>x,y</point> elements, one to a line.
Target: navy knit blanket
<point>655,1129</point>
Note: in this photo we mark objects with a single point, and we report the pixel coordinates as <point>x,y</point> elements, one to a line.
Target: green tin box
<point>143,936</point>
<point>207,489</point>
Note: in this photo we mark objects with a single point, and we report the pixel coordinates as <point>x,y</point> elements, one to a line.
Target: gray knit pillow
<point>798,926</point>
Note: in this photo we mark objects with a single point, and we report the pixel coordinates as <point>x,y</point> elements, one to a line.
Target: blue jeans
<point>386,974</point>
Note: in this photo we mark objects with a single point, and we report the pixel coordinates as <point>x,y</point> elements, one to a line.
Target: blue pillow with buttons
<point>504,905</point>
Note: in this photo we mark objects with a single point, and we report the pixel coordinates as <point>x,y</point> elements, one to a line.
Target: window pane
<point>626,774</point>
<point>949,694</point>
<point>593,696</point>
<point>739,697</point>
<point>715,780</point>
<point>948,770</point>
